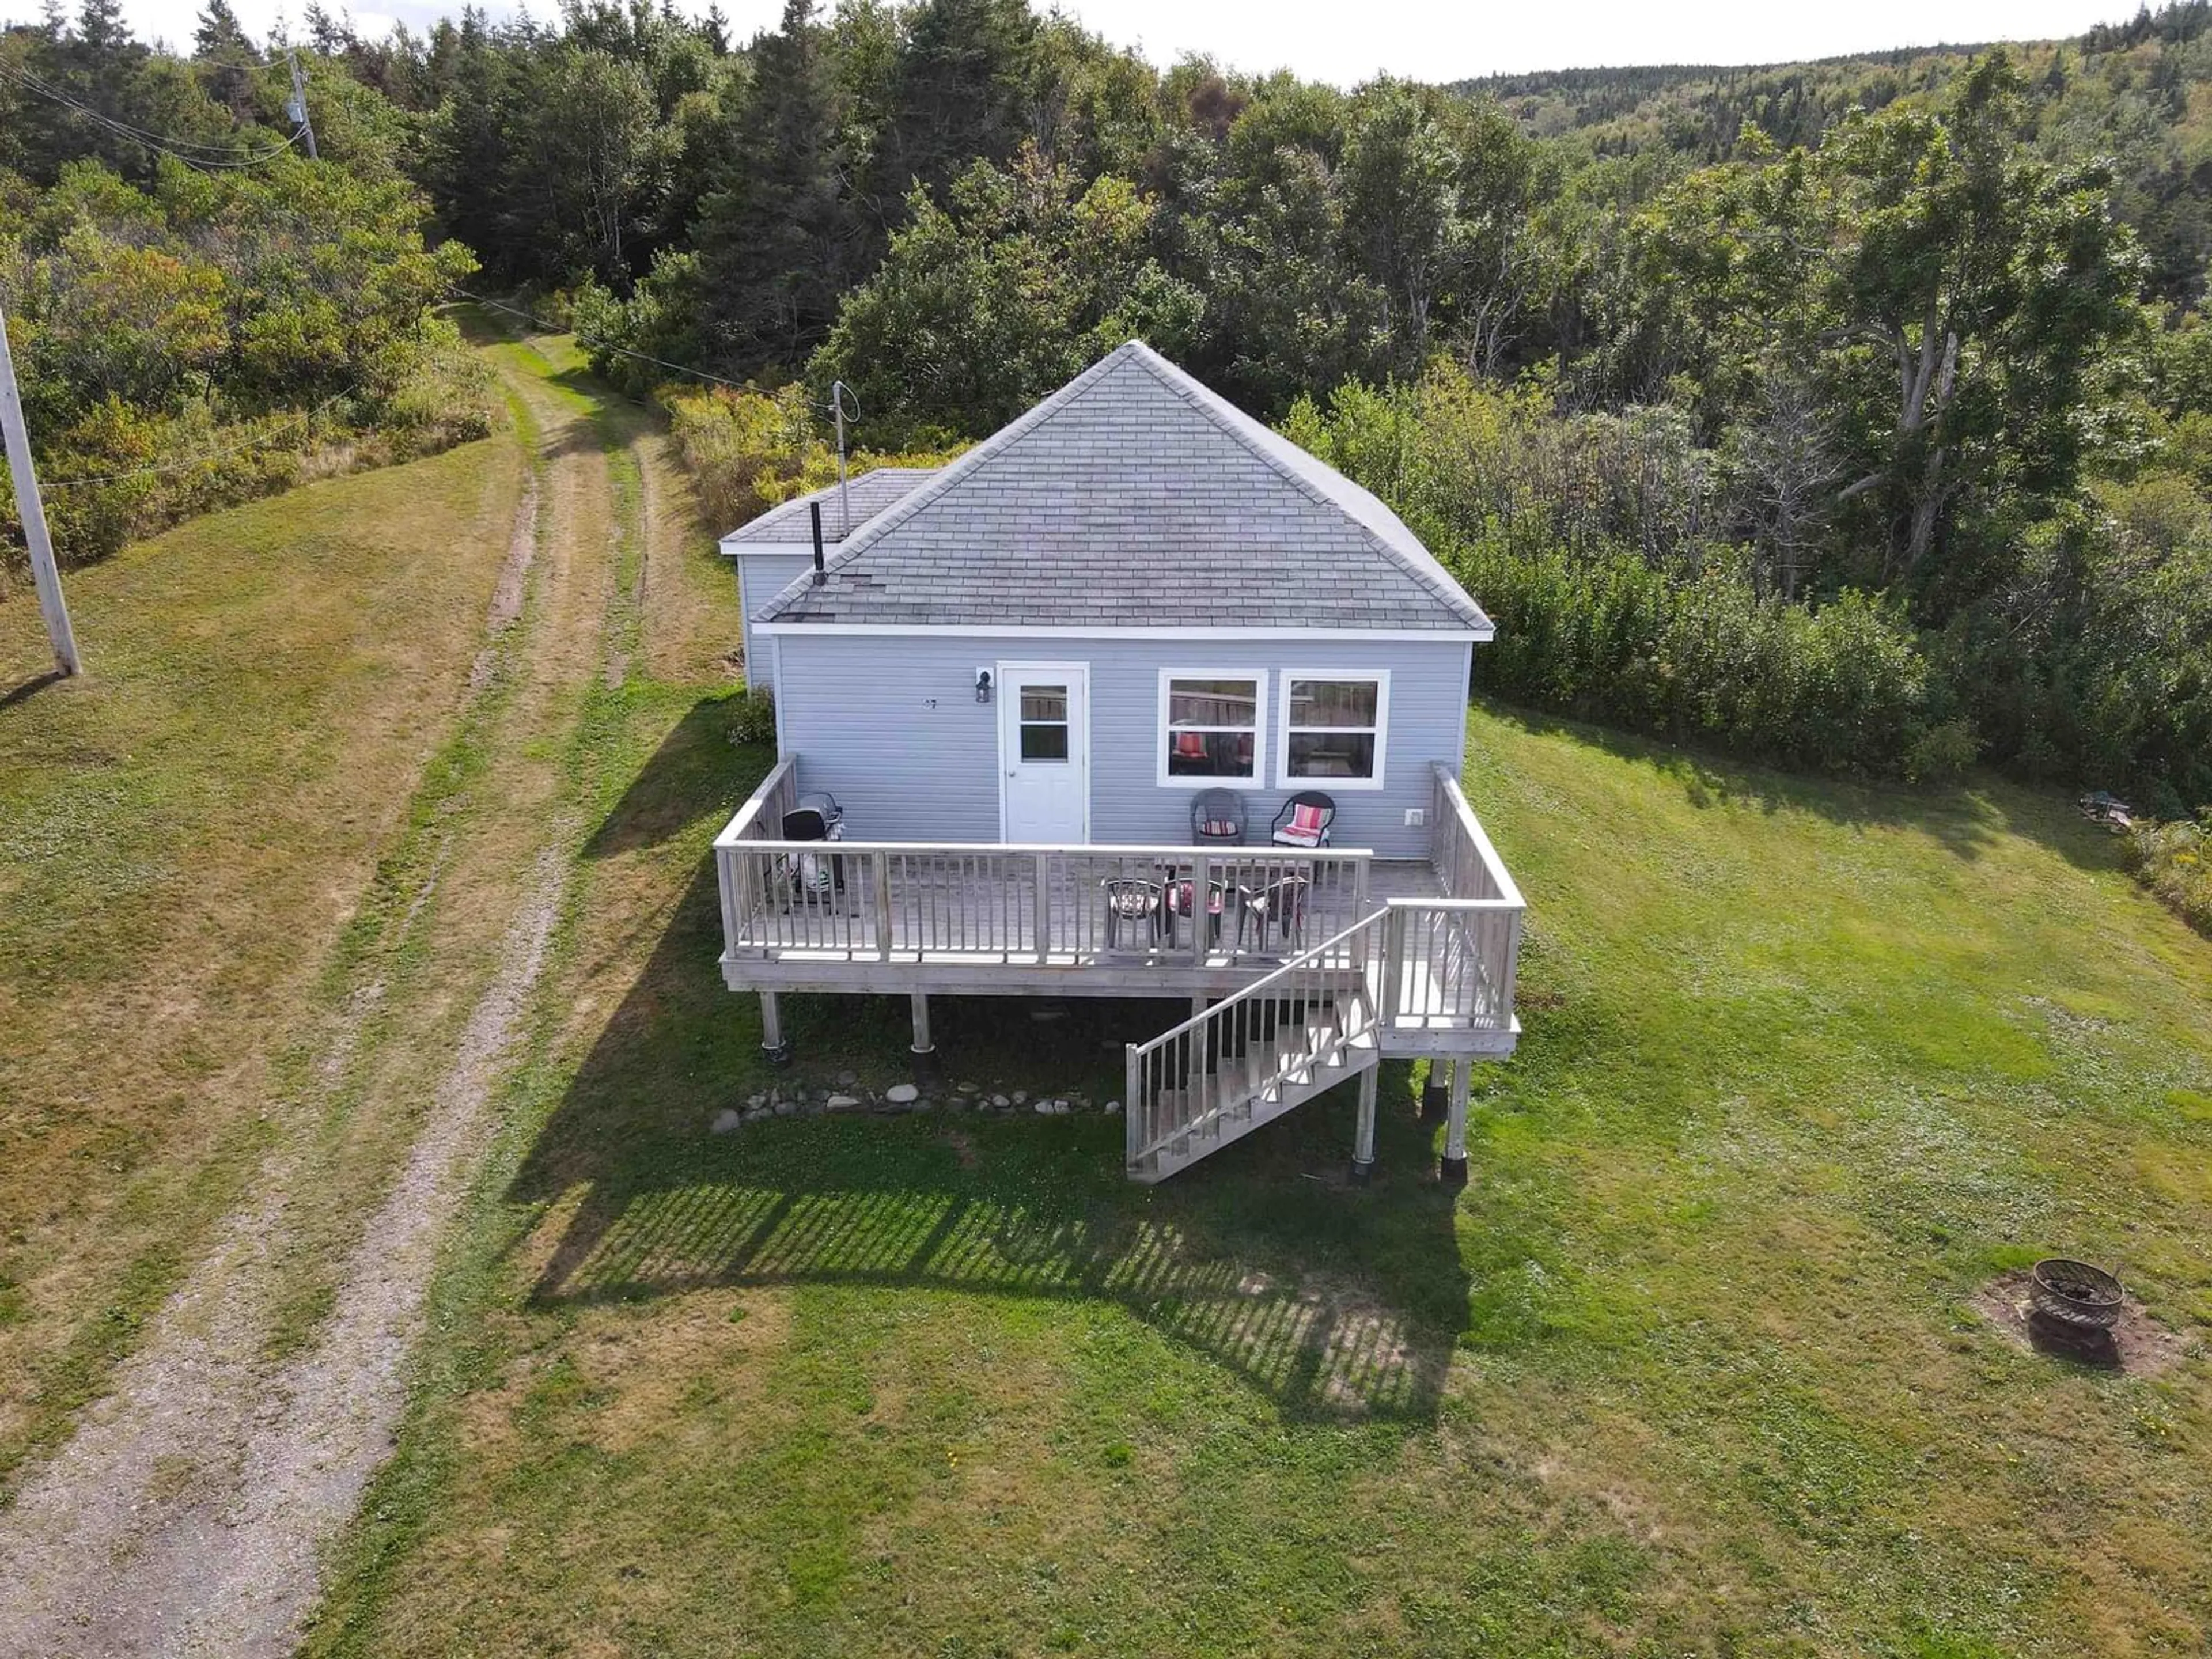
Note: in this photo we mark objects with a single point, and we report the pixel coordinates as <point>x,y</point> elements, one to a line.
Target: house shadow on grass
<point>1330,1301</point>
<point>695,768</point>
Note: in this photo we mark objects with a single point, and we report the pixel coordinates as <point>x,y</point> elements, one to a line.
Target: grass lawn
<point>1690,1365</point>
<point>195,840</point>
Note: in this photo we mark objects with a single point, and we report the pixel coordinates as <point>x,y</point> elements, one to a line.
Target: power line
<point>215,156</point>
<point>47,89</point>
<point>600,345</point>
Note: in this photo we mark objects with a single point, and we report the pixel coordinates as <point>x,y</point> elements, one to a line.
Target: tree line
<point>1674,364</point>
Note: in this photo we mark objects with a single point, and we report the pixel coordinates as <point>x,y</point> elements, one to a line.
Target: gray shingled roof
<point>786,524</point>
<point>1133,497</point>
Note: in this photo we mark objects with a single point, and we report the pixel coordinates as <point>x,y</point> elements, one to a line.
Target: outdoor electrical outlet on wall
<point>1416,816</point>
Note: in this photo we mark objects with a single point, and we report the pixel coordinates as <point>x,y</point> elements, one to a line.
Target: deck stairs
<point>1263,1051</point>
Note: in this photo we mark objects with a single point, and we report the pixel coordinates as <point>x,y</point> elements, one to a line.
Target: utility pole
<point>297,109</point>
<point>44,576</point>
<point>839,394</point>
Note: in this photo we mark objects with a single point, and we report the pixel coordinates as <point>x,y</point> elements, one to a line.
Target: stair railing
<point>1186,1078</point>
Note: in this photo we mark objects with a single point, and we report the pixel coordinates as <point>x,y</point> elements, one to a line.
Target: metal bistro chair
<point>1217,818</point>
<point>1182,900</point>
<point>1281,903</point>
<point>1131,901</point>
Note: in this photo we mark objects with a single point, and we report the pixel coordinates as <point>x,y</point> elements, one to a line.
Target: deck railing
<point>901,901</point>
<point>1438,964</point>
<point>1452,962</point>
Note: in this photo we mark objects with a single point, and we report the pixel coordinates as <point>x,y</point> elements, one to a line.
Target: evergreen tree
<point>960,94</point>
<point>468,147</point>
<point>776,244</point>
<point>225,58</point>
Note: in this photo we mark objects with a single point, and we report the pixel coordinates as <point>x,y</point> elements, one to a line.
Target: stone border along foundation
<point>848,1098</point>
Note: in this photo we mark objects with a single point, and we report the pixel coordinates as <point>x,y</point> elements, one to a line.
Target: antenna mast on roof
<point>839,395</point>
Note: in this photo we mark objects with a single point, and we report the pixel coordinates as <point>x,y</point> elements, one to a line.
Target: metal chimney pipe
<point>814,511</point>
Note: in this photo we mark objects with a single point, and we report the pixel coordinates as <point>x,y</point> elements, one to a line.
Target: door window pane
<point>1044,723</point>
<point>1042,741</point>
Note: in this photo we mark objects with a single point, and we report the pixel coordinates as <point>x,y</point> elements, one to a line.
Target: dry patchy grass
<point>184,837</point>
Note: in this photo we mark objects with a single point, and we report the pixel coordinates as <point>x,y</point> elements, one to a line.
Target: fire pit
<point>2076,1293</point>
<point>2072,1308</point>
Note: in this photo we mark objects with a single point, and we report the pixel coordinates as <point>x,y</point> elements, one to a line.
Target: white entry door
<point>1044,751</point>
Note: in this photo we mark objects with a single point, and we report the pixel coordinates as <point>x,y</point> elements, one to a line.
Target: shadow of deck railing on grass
<point>1327,1302</point>
<point>1310,1343</point>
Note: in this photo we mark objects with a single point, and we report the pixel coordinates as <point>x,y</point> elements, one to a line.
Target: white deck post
<point>1435,1097</point>
<point>1200,913</point>
<point>1362,1139</point>
<point>1455,1163</point>
<point>772,1039</point>
<point>924,1050</point>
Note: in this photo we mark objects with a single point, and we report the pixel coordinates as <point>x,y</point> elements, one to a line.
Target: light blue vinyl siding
<point>890,725</point>
<point>761,577</point>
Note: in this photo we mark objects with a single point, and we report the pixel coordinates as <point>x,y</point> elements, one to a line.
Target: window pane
<point>1044,742</point>
<point>1044,702</point>
<point>1334,702</point>
<point>1213,702</point>
<point>1210,754</point>
<point>1332,754</point>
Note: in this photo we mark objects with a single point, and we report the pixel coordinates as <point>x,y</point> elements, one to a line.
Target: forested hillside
<point>1853,414</point>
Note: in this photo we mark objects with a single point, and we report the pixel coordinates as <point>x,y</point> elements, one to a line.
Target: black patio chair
<point>1217,818</point>
<point>1304,820</point>
<point>1130,901</point>
<point>1281,903</point>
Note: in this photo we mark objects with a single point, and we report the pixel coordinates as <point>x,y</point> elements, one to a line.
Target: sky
<point>1348,43</point>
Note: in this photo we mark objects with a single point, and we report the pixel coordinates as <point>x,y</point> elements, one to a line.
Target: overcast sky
<point>1440,40</point>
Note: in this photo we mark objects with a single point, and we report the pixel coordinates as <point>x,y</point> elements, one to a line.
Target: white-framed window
<point>1212,729</point>
<point>1335,726</point>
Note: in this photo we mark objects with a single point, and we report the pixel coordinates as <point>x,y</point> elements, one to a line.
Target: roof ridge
<point>951,473</point>
<point>1232,420</point>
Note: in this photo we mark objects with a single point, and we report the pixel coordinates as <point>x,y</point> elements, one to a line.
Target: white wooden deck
<point>907,917</point>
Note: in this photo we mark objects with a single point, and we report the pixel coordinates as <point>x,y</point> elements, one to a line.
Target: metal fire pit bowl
<point>2074,1293</point>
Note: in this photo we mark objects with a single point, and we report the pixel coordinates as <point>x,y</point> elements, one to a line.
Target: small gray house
<point>1135,698</point>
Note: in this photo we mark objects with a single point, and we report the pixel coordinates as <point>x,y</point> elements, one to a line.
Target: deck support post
<point>924,1050</point>
<point>774,1045</point>
<point>1435,1095</point>
<point>1454,1167</point>
<point>1362,1139</point>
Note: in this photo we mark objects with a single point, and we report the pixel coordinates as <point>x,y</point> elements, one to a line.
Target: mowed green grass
<point>1690,1366</point>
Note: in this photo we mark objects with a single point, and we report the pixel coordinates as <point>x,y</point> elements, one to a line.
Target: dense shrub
<point>1594,542</point>
<point>753,721</point>
<point>2175,860</point>
<point>749,450</point>
<point>208,337</point>
<point>121,472</point>
<point>1842,688</point>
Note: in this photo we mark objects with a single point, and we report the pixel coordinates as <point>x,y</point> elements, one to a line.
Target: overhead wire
<point>597,344</point>
<point>213,155</point>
